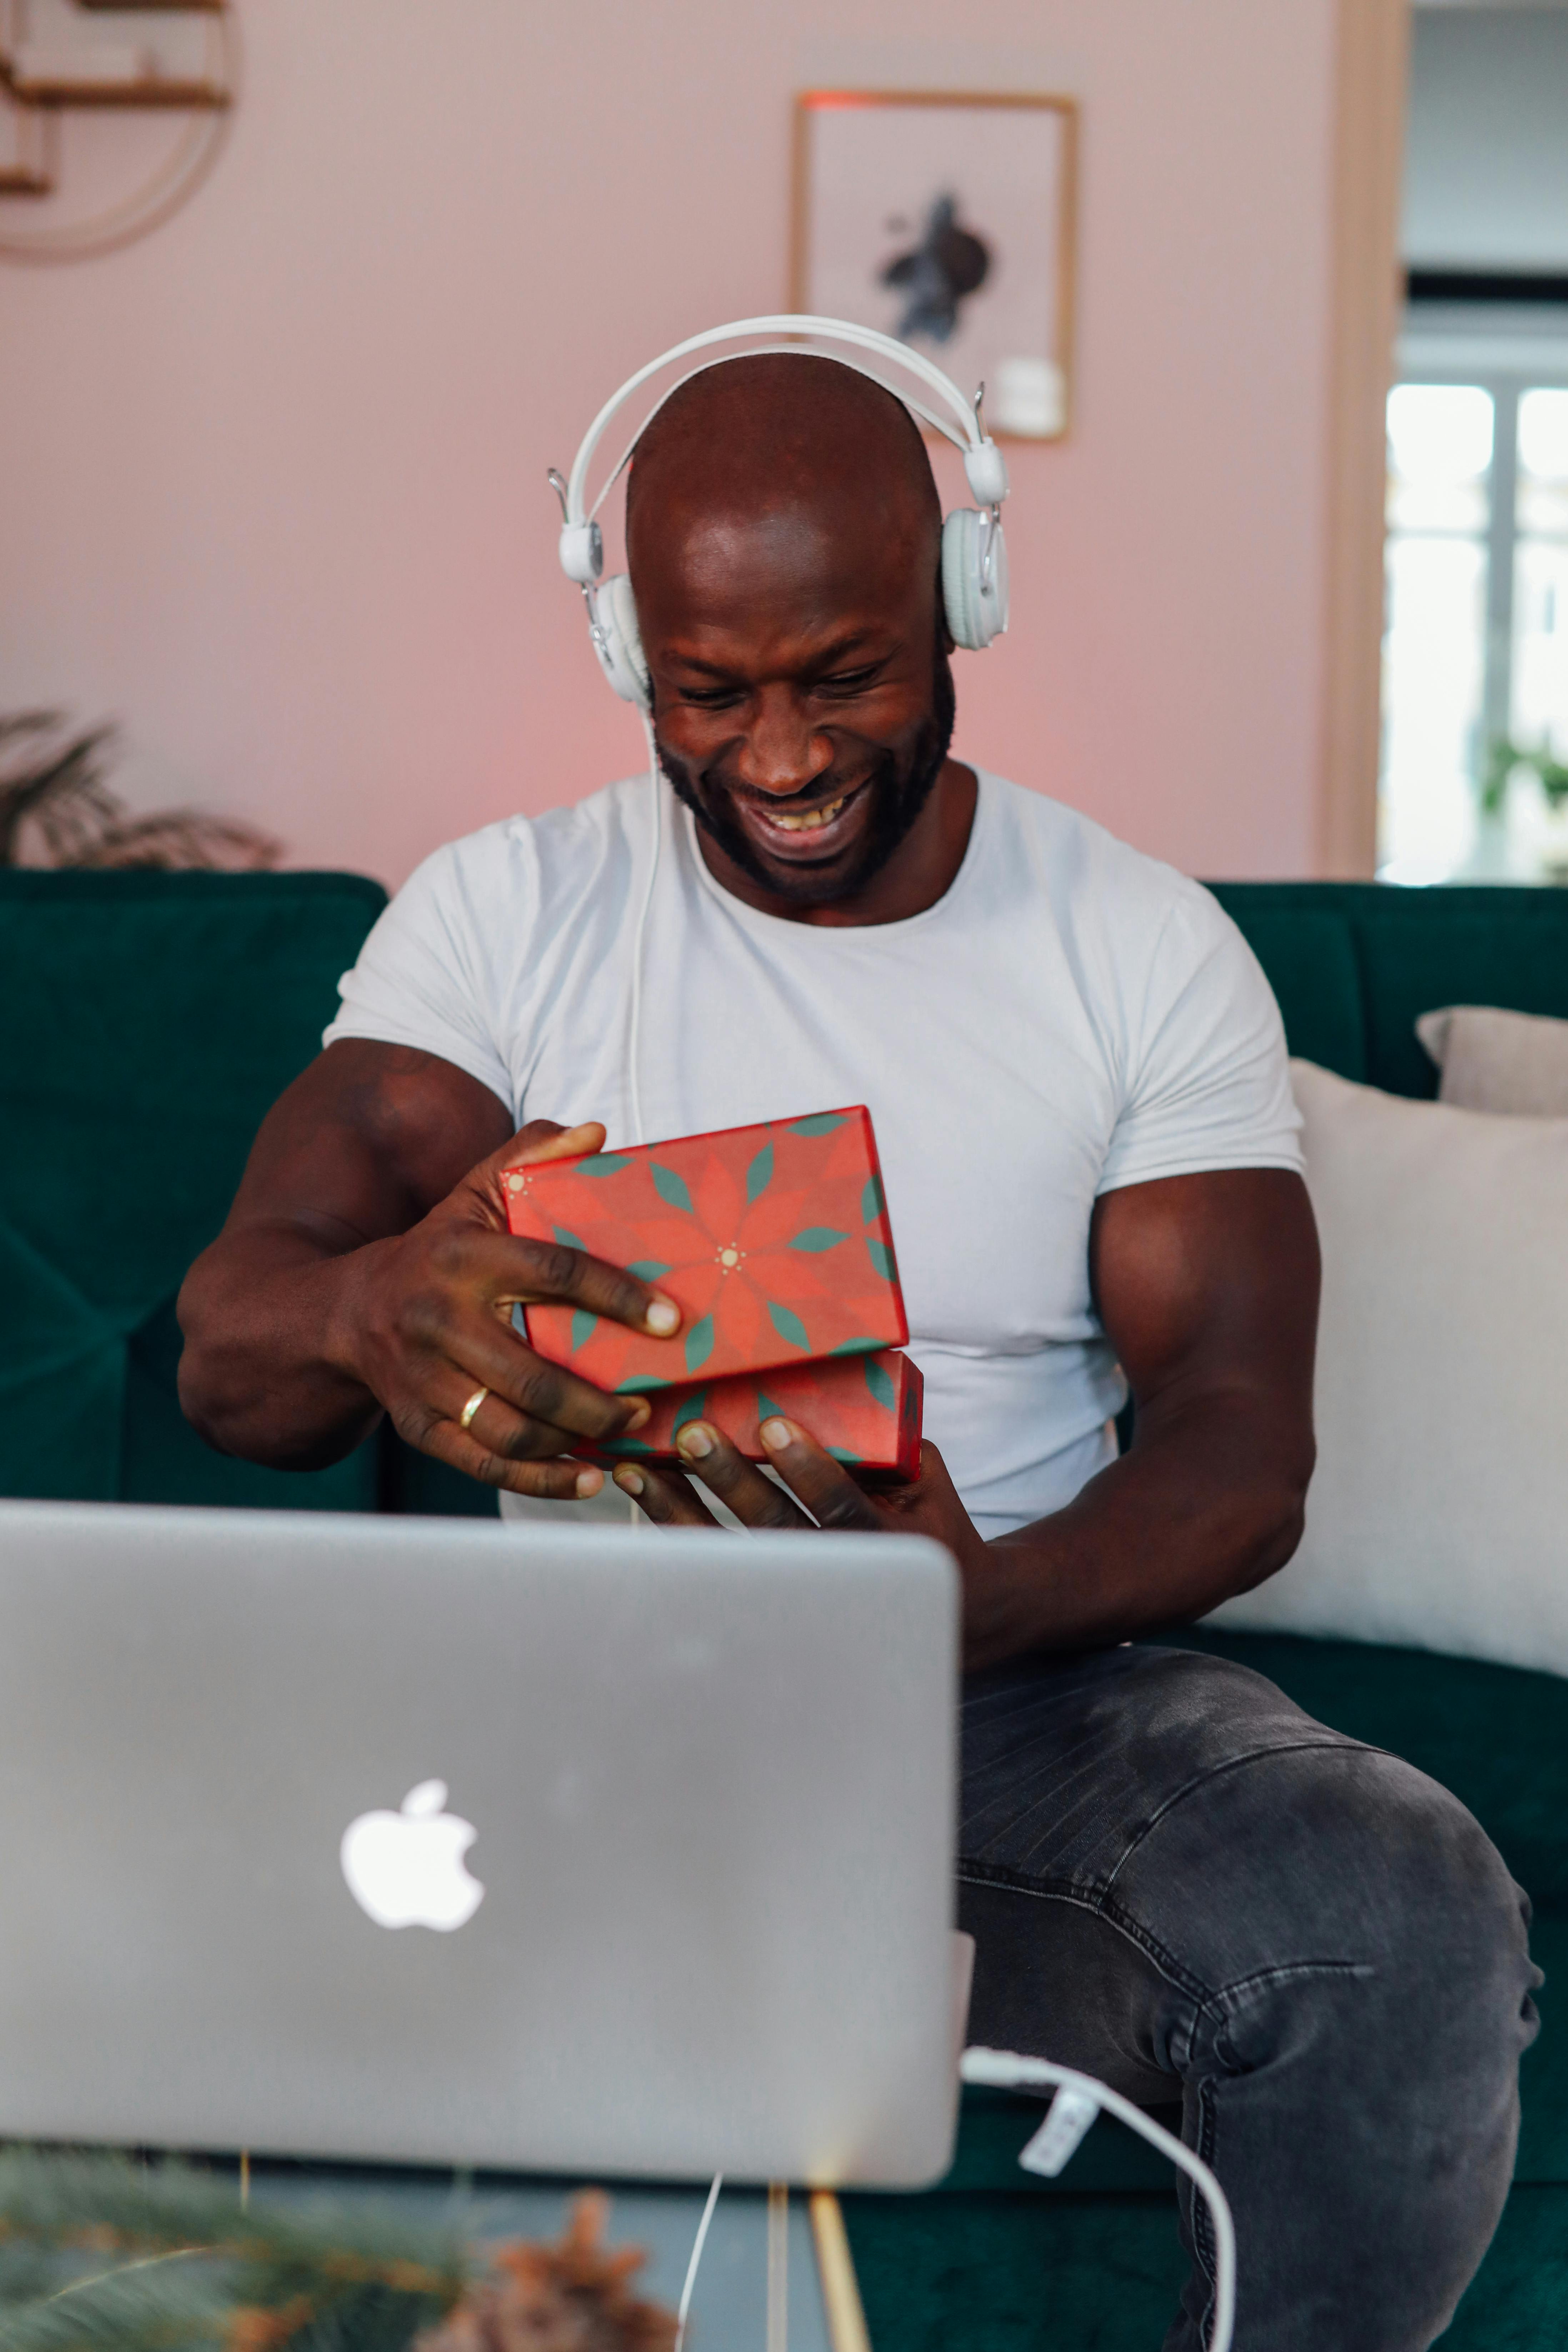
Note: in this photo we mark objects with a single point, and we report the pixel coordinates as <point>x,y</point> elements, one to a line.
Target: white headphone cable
<point>634,1043</point>
<point>697,2243</point>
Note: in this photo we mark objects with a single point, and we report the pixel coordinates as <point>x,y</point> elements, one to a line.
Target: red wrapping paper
<point>772,1240</point>
<point>865,1410</point>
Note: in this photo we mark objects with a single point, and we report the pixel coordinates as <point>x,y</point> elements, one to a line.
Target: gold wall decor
<point>945,217</point>
<point>168,70</point>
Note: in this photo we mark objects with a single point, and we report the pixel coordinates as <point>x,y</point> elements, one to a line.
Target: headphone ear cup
<point>617,640</point>
<point>974,578</point>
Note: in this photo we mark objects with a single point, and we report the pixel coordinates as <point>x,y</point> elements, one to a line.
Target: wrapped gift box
<point>772,1240</point>
<point>866,1411</point>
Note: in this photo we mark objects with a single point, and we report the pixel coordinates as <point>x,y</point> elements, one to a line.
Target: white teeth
<point>814,817</point>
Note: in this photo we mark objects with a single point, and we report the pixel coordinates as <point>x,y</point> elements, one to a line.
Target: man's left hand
<point>832,1499</point>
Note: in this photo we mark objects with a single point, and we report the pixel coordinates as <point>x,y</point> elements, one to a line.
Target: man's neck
<point>921,870</point>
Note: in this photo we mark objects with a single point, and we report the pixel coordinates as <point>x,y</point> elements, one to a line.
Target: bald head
<point>778,435</point>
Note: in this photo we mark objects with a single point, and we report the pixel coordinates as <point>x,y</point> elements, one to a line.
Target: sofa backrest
<point>1352,965</point>
<point>149,1019</point>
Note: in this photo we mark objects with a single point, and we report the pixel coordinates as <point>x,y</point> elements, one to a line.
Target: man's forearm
<point>1206,1503</point>
<point>266,1373</point>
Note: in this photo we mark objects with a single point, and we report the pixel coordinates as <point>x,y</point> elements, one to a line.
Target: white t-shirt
<point>1070,1017</point>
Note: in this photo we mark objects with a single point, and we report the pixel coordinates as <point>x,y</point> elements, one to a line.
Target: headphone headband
<point>984,462</point>
<point>973,554</point>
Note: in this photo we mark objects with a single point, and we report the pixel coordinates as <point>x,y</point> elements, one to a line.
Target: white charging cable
<point>1078,2099</point>
<point>697,2243</point>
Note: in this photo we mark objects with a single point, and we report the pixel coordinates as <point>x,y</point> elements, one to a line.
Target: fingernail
<point>630,1482</point>
<point>642,1411</point>
<point>695,1441</point>
<point>776,1435</point>
<point>588,1483</point>
<point>663,1317</point>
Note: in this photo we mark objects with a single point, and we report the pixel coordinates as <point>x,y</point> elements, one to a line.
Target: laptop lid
<point>556,1849</point>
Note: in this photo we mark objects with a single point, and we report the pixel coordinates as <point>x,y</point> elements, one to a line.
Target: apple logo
<point>406,1869</point>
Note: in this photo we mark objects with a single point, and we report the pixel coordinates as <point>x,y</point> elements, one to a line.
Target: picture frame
<point>26,162</point>
<point>946,218</point>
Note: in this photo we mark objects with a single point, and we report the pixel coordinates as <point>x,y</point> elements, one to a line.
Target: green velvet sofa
<point>148,1022</point>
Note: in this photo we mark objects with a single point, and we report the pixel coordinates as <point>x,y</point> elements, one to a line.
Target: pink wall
<point>273,484</point>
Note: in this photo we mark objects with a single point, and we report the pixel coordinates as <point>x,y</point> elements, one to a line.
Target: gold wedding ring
<point>466,1416</point>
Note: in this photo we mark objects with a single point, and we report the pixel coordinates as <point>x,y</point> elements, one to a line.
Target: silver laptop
<point>568,1850</point>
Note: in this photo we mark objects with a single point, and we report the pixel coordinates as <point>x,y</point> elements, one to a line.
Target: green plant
<point>99,2255</point>
<point>56,808</point>
<point>1504,755</point>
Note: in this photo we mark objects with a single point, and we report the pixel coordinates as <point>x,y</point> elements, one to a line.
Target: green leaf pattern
<point>788,1324</point>
<point>672,1188</point>
<point>699,1344</point>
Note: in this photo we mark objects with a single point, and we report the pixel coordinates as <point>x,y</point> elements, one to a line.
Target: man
<point>1177,1881</point>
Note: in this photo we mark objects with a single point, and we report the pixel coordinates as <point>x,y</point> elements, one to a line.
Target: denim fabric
<point>1180,1882</point>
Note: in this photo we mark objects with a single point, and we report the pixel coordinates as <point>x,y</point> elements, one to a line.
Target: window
<point>1476,639</point>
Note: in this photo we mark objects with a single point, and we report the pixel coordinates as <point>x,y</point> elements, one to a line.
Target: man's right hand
<point>361,1270</point>
<point>426,1323</point>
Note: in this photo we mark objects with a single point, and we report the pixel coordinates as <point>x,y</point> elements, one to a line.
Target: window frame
<point>1504,350</point>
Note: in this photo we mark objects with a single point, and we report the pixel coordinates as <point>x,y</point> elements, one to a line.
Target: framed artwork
<point>946,219</point>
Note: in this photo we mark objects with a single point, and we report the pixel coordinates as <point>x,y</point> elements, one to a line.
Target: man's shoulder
<point>1092,877</point>
<point>559,848</point>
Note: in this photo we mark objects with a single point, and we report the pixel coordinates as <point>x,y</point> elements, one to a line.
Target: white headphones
<point>973,551</point>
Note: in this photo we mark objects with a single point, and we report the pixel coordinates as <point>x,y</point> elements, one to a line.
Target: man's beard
<point>898,792</point>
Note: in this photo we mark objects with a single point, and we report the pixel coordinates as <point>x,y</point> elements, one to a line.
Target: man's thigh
<point>1069,1764</point>
<point>1068,1768</point>
<point>1151,1838</point>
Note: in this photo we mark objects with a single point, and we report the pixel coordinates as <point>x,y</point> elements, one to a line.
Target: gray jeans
<point>1180,1882</point>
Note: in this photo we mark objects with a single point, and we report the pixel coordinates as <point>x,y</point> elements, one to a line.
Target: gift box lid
<point>772,1239</point>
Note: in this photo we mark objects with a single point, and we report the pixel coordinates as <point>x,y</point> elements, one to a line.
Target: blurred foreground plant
<point>56,808</point>
<point>98,2255</point>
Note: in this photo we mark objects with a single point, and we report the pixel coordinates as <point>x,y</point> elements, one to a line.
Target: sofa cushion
<point>1516,1062</point>
<point>1438,1512</point>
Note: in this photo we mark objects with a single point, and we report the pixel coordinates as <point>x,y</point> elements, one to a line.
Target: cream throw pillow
<point>1492,1060</point>
<point>1438,1516</point>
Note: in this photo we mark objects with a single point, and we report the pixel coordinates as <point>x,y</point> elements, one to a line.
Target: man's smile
<point>812,833</point>
<point>810,820</point>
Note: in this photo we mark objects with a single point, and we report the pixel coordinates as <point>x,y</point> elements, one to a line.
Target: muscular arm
<point>365,1266</point>
<point>1207,1286</point>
